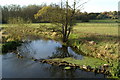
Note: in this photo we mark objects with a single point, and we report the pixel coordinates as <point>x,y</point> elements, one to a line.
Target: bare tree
<point>63,16</point>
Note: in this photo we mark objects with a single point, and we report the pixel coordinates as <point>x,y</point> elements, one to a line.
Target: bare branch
<point>78,1</point>
<point>81,5</point>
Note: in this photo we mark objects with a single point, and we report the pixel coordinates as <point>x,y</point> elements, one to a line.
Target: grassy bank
<point>98,40</point>
<point>24,32</point>
<point>88,61</point>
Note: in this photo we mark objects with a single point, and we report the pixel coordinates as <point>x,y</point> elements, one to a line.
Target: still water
<point>12,67</point>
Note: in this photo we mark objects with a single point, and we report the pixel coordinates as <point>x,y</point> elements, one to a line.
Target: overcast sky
<point>90,6</point>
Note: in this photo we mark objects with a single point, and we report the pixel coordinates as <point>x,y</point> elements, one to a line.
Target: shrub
<point>12,45</point>
<point>17,20</point>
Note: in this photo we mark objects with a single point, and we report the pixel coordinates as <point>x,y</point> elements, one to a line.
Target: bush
<point>17,20</point>
<point>12,45</point>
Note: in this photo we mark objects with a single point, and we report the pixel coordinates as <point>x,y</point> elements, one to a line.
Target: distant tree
<point>29,11</point>
<point>5,14</point>
<point>83,17</point>
<point>92,16</point>
<point>102,16</point>
<point>108,15</point>
<point>10,11</point>
<point>16,11</point>
<point>114,15</point>
<point>63,17</point>
<point>0,14</point>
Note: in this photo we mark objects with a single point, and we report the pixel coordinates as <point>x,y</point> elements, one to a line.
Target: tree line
<point>27,13</point>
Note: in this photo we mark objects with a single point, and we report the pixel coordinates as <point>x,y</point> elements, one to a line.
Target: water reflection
<point>61,52</point>
<point>0,66</point>
<point>26,68</point>
<point>60,72</point>
<point>39,48</point>
<point>46,49</point>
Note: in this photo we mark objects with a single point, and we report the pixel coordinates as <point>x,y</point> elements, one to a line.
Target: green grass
<point>106,39</point>
<point>104,21</point>
<point>103,34</point>
<point>30,25</point>
<point>98,28</point>
<point>93,62</point>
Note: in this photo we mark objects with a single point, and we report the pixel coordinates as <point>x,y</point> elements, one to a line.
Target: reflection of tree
<point>59,72</point>
<point>26,49</point>
<point>61,52</point>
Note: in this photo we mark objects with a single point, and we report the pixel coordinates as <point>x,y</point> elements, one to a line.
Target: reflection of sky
<point>44,49</point>
<point>76,56</point>
<point>39,48</point>
<point>91,6</point>
<point>25,68</point>
<point>0,66</point>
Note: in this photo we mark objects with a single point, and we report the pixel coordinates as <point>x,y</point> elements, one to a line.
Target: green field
<point>100,28</point>
<point>105,21</point>
<point>104,35</point>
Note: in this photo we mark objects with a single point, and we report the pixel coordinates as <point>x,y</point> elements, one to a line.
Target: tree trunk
<point>67,30</point>
<point>66,24</point>
<point>65,38</point>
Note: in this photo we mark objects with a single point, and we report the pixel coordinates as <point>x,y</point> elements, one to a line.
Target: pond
<point>12,67</point>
